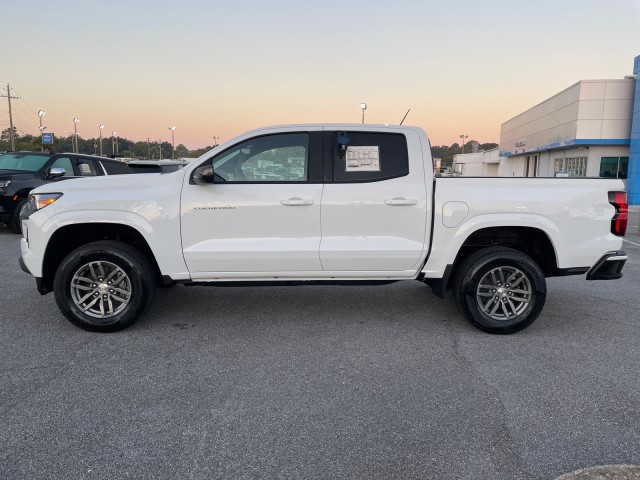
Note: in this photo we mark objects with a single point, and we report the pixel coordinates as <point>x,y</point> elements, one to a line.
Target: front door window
<point>274,158</point>
<point>64,163</point>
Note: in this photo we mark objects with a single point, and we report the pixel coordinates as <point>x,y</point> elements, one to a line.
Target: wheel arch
<point>531,241</point>
<point>22,194</point>
<point>69,237</point>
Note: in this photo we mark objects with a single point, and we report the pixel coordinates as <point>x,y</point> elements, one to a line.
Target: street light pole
<point>12,135</point>
<point>75,133</point>
<point>41,114</point>
<point>173,143</point>
<point>148,149</point>
<point>101,127</point>
<point>215,141</point>
<point>363,106</point>
<point>463,136</point>
<point>114,145</point>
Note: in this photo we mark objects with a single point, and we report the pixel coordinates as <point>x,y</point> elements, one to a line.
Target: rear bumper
<point>609,267</point>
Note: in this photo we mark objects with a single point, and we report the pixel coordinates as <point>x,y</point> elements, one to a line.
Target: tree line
<point>446,153</point>
<point>122,147</point>
<point>156,150</point>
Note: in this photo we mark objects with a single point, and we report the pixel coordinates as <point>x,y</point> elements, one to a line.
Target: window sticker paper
<point>363,159</point>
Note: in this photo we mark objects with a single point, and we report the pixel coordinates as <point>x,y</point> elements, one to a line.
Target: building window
<point>571,167</point>
<point>614,167</point>
<point>558,166</point>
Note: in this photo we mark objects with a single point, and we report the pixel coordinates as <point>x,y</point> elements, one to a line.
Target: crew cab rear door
<point>374,204</point>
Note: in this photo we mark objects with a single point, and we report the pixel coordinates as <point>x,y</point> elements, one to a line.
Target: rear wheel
<point>104,286</point>
<point>14,224</point>
<point>500,290</point>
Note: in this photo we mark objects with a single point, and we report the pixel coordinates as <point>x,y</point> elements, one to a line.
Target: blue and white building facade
<point>591,129</point>
<point>633,179</point>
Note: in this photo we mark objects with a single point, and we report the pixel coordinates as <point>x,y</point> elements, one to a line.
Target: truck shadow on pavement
<point>404,303</point>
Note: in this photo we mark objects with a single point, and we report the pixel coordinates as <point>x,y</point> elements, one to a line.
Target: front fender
<point>162,235</point>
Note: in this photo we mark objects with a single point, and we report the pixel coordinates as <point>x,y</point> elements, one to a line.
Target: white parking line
<point>632,243</point>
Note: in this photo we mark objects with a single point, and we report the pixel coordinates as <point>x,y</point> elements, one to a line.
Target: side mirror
<point>56,173</point>
<point>203,175</point>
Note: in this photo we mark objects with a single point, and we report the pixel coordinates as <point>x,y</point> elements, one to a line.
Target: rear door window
<point>87,168</point>
<point>369,157</point>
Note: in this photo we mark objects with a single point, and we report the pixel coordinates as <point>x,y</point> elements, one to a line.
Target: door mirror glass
<point>203,175</point>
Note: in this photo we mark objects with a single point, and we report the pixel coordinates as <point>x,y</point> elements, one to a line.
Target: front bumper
<point>39,284</point>
<point>5,215</point>
<point>23,265</point>
<point>609,267</point>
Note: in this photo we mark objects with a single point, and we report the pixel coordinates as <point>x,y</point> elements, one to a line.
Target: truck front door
<point>262,213</point>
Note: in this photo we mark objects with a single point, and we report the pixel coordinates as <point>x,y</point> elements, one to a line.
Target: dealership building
<point>591,129</point>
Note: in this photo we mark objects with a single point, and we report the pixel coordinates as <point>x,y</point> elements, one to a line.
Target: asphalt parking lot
<point>319,382</point>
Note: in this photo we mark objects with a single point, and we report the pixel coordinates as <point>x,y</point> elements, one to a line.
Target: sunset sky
<point>218,68</point>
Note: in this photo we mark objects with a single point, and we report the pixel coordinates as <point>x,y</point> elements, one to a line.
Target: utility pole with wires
<point>11,132</point>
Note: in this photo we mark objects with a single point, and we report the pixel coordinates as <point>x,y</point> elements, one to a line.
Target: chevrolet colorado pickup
<point>320,203</point>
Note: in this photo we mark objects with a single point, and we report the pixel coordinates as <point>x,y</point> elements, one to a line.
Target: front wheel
<point>15,224</point>
<point>104,286</point>
<point>500,290</point>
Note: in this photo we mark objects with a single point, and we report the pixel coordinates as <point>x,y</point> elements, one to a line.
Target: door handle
<point>401,201</point>
<point>296,202</point>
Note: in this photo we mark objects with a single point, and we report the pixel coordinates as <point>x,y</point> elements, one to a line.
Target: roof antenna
<point>405,116</point>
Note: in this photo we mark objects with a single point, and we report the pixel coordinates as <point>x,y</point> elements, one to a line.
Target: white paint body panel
<point>149,203</point>
<point>245,228</point>
<point>574,213</point>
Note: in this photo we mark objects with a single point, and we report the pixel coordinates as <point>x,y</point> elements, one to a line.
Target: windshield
<point>22,161</point>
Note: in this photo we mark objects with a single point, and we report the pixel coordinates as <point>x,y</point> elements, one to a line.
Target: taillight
<point>619,220</point>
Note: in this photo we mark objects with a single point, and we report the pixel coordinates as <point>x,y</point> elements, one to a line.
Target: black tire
<point>111,281</point>
<point>15,225</point>
<point>500,290</point>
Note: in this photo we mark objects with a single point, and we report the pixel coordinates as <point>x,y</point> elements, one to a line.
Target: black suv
<point>20,172</point>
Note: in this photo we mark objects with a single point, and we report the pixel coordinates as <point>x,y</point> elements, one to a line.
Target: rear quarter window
<point>115,167</point>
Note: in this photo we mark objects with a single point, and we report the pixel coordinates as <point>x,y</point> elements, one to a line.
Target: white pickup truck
<point>320,203</point>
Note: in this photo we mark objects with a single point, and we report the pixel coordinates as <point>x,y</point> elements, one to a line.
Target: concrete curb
<point>604,472</point>
<point>633,227</point>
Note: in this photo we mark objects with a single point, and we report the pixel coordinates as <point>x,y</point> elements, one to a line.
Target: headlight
<point>5,183</point>
<point>41,200</point>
